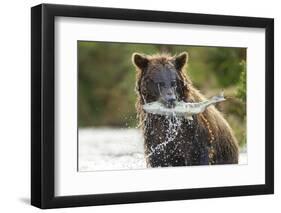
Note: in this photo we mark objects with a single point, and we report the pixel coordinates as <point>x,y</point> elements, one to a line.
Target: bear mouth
<point>169,105</point>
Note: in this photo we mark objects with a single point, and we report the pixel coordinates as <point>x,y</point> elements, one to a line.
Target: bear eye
<point>161,84</point>
<point>173,83</point>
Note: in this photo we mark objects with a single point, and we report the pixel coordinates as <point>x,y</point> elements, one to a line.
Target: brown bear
<point>177,141</point>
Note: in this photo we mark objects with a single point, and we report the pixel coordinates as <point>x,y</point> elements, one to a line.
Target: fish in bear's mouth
<point>181,108</point>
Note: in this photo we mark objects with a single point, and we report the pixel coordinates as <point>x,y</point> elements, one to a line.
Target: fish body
<point>181,108</point>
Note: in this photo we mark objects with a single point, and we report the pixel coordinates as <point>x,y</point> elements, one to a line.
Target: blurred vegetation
<point>106,95</point>
<point>242,95</point>
<point>242,83</point>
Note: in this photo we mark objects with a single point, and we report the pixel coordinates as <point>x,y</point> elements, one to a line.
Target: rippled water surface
<point>114,149</point>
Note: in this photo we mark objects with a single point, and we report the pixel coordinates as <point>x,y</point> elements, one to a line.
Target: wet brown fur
<point>222,145</point>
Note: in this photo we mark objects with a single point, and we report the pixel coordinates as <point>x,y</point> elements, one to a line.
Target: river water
<point>114,149</point>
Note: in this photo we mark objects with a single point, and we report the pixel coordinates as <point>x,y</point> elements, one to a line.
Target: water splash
<point>173,127</point>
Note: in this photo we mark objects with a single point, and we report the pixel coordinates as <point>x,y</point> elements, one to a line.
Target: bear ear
<point>180,60</point>
<point>140,61</point>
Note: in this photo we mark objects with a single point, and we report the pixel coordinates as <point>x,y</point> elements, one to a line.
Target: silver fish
<point>182,108</point>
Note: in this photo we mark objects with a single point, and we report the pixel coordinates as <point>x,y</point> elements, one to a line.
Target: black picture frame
<point>43,102</point>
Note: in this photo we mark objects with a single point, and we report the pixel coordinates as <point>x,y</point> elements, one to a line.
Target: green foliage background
<point>106,95</point>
